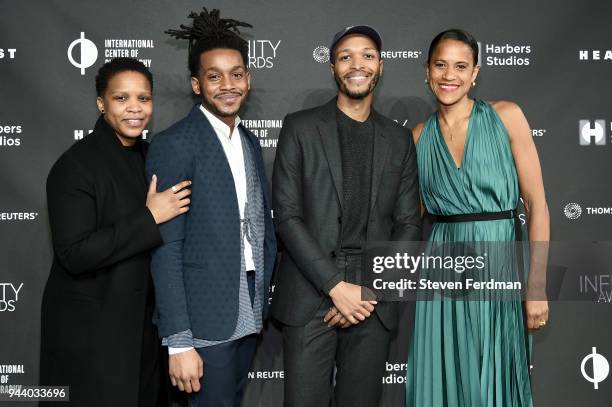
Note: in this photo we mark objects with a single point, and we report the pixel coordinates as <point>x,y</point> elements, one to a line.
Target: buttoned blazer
<point>307,202</point>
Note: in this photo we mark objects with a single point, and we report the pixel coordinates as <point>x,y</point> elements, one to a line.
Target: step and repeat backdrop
<point>554,59</point>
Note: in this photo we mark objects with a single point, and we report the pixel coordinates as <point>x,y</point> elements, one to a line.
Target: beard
<point>359,94</point>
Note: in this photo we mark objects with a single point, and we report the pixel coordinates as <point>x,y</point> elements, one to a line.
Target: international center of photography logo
<point>572,211</point>
<point>321,54</point>
<point>599,369</point>
<point>86,56</point>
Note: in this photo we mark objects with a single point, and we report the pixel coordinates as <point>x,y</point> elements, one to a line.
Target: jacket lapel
<point>381,149</point>
<point>257,159</point>
<point>328,130</point>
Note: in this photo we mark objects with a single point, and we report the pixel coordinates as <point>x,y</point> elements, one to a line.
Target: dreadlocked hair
<point>209,31</point>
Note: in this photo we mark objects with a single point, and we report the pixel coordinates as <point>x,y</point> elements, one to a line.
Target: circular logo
<point>572,211</point>
<point>600,368</point>
<point>321,54</point>
<point>88,54</point>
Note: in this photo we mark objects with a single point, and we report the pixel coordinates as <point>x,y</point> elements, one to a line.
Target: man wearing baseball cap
<point>344,175</point>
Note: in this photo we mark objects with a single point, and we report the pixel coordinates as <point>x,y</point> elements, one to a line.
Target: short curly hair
<point>116,66</point>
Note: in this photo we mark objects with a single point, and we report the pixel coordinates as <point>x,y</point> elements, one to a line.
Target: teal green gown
<point>469,353</point>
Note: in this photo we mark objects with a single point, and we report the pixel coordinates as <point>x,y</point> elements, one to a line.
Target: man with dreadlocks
<point>212,273</point>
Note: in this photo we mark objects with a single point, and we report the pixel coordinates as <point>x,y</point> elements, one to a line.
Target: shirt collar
<point>217,124</point>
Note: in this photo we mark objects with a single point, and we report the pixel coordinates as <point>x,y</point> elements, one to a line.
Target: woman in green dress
<point>475,159</point>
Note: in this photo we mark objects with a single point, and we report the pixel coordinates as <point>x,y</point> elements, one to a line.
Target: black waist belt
<point>472,217</point>
<point>483,216</point>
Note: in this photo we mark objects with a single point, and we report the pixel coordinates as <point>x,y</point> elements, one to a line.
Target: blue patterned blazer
<point>196,271</point>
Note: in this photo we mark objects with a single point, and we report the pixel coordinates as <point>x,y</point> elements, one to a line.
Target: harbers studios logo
<point>599,371</point>
<point>592,132</point>
<point>505,54</point>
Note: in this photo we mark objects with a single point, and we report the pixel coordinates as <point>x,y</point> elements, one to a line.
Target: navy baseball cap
<point>356,29</point>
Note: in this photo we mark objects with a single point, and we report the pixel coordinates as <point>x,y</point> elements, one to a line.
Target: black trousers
<point>358,354</point>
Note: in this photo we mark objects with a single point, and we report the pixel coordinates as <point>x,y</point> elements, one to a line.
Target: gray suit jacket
<point>307,202</point>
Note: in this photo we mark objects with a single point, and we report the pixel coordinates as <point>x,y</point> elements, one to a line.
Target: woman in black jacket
<point>97,335</point>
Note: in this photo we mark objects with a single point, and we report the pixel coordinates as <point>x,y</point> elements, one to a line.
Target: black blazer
<point>93,306</point>
<point>307,202</point>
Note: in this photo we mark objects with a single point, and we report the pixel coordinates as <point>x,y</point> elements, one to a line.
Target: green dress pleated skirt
<point>469,353</point>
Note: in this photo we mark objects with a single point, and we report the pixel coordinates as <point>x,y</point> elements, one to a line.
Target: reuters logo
<point>572,211</point>
<point>321,54</point>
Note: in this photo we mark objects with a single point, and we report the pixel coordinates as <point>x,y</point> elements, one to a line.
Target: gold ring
<point>174,188</point>
<point>542,323</point>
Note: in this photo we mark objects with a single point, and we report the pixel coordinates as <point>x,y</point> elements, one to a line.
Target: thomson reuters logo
<point>599,371</point>
<point>572,211</point>
<point>88,53</point>
<point>592,132</point>
<point>321,54</point>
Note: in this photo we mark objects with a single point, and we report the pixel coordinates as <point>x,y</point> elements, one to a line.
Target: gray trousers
<point>358,353</point>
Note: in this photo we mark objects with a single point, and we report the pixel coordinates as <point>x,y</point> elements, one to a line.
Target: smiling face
<point>223,83</point>
<point>127,105</point>
<point>357,66</point>
<point>451,71</point>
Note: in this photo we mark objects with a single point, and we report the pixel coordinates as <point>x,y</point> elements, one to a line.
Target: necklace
<point>450,131</point>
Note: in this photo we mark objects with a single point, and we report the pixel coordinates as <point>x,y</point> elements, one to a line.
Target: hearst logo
<point>9,296</point>
<point>263,53</point>
<point>593,132</point>
<point>506,54</point>
<point>80,133</point>
<point>8,53</point>
<point>604,55</point>
<point>83,53</point>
